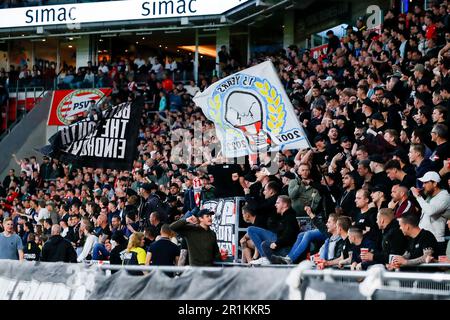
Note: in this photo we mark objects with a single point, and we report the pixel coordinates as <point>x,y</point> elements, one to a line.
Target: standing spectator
<point>201,240</point>
<point>333,42</point>
<point>224,58</point>
<point>302,193</point>
<point>11,246</point>
<point>135,254</point>
<point>436,203</point>
<point>163,252</point>
<point>31,251</point>
<point>56,248</point>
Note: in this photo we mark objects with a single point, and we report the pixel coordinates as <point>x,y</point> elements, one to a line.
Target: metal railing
<point>21,110</point>
<point>376,278</point>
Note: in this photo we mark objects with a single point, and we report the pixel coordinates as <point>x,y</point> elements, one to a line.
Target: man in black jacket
<point>57,248</point>
<point>393,241</point>
<point>281,235</point>
<point>264,208</point>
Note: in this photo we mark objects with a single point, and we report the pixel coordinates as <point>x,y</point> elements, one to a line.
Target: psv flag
<point>103,140</point>
<point>252,113</point>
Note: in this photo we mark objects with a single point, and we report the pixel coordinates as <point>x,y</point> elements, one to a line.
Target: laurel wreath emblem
<point>275,108</point>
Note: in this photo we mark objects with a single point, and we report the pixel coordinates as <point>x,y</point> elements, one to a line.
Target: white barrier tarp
<point>58,281</point>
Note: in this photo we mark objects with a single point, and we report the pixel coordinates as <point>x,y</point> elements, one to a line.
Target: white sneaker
<point>260,261</point>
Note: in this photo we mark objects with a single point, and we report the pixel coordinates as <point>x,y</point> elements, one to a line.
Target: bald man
<point>57,248</point>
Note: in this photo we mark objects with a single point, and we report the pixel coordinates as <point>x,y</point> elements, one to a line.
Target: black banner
<point>104,140</point>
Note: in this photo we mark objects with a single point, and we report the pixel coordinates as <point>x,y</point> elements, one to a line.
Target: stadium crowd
<point>372,189</point>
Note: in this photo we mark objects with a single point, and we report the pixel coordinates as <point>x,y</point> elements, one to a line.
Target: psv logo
<point>76,103</point>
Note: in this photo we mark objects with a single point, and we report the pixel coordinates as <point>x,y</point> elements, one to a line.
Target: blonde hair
<point>135,241</point>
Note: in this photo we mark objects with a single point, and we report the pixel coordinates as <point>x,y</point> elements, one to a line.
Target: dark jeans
<point>268,252</point>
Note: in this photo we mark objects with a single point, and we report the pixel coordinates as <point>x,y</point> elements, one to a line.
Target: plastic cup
<point>364,251</point>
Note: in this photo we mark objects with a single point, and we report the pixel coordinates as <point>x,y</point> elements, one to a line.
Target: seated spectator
<point>417,158</point>
<point>395,172</point>
<point>400,202</point>
<point>439,135</point>
<point>422,244</point>
<point>281,234</point>
<point>90,239</point>
<point>343,224</point>
<point>393,242</point>
<point>118,244</point>
<point>249,251</point>
<point>358,241</point>
<point>263,207</point>
<point>89,79</point>
<point>331,249</point>
<point>366,218</point>
<point>102,249</point>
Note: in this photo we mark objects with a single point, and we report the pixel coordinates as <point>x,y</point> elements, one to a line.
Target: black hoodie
<point>58,249</point>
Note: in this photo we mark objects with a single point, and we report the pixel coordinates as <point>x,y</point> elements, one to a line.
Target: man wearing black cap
<point>201,240</point>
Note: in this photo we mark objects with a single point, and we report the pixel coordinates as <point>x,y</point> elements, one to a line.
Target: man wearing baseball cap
<point>436,203</point>
<point>201,240</point>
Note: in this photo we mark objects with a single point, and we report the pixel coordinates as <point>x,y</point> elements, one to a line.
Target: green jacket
<point>202,244</point>
<point>303,195</point>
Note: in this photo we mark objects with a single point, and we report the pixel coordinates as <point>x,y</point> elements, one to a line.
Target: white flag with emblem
<point>252,113</point>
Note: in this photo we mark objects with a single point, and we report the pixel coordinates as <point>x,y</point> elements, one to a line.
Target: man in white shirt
<point>43,213</point>
<point>90,240</point>
<point>433,207</point>
<point>191,88</point>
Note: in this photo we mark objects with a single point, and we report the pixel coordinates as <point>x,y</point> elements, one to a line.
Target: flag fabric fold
<point>252,113</point>
<point>102,140</point>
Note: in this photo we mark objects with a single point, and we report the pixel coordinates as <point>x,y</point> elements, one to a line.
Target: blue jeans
<point>304,239</point>
<point>268,252</point>
<point>99,252</point>
<point>258,235</point>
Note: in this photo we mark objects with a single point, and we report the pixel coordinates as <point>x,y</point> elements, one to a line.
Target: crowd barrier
<point>374,284</point>
<point>98,281</point>
<point>59,281</point>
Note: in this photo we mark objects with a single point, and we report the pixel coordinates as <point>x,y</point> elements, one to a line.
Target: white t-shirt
<point>42,214</point>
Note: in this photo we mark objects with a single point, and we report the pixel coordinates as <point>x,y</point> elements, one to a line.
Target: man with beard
<point>201,240</point>
<point>437,202</point>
